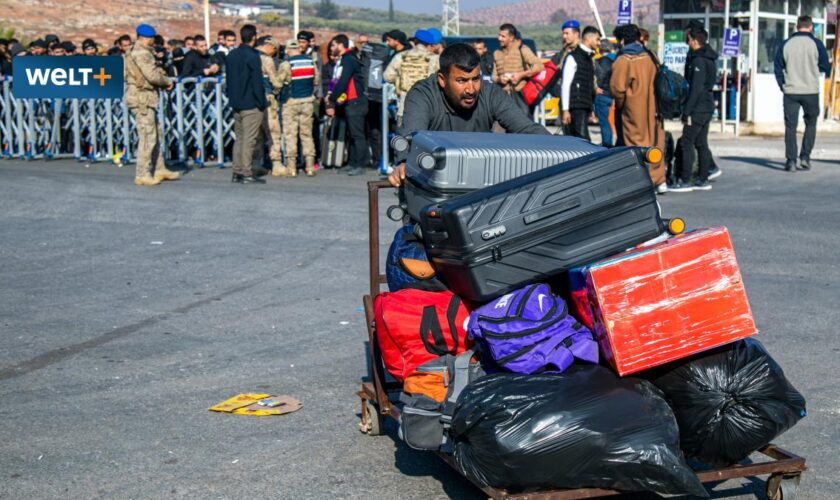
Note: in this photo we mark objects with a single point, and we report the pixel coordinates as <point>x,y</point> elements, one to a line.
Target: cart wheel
<point>782,487</point>
<point>371,423</point>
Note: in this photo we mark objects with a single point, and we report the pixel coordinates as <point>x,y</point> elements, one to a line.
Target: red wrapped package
<point>664,302</point>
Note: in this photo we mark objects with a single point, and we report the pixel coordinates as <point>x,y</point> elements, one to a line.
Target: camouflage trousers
<point>297,123</point>
<point>150,148</point>
<point>271,130</point>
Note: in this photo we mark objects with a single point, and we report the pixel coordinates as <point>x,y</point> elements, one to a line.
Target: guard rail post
<point>220,131</point>
<point>179,110</point>
<point>199,121</point>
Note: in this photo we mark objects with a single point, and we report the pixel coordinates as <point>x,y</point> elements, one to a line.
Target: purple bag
<point>531,331</point>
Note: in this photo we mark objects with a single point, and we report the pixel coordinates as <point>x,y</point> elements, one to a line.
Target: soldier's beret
<point>146,31</point>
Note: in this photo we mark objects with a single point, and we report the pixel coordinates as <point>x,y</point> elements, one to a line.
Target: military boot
<point>147,180</point>
<point>310,166</point>
<point>164,174</point>
<point>277,169</point>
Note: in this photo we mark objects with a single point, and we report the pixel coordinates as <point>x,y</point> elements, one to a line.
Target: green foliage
<point>326,9</point>
<point>272,19</point>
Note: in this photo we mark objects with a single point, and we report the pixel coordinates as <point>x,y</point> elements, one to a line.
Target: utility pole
<point>391,10</point>
<point>451,19</point>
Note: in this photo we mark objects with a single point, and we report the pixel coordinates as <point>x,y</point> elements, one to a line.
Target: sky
<point>427,7</point>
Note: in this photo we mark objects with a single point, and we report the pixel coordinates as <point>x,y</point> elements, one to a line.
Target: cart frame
<point>783,467</point>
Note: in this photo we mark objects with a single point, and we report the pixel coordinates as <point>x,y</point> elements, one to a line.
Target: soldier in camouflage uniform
<point>272,84</point>
<point>301,75</point>
<point>411,66</point>
<point>143,79</point>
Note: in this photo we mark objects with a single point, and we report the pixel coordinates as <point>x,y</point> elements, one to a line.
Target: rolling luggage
<point>494,240</point>
<point>442,165</point>
<point>334,143</point>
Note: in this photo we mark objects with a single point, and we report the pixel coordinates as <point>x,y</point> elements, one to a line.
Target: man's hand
<point>567,118</point>
<point>505,78</point>
<point>599,91</point>
<point>170,86</point>
<point>397,176</point>
<point>516,77</point>
<point>330,111</point>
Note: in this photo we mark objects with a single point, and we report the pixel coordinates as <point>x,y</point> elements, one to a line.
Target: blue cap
<point>571,23</point>
<point>424,37</point>
<point>437,36</point>
<point>146,31</point>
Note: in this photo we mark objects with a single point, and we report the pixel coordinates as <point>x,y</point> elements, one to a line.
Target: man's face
<point>571,36</point>
<point>303,44</point>
<point>90,51</point>
<point>201,47</point>
<point>363,40</point>
<point>57,51</point>
<point>480,48</point>
<point>125,45</point>
<point>391,43</point>
<point>593,41</point>
<point>505,38</point>
<point>230,42</point>
<point>36,50</point>
<point>189,43</point>
<point>460,87</point>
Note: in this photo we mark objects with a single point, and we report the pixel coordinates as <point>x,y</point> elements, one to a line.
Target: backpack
<point>530,331</point>
<point>415,67</point>
<point>416,326</point>
<point>537,87</point>
<point>670,91</point>
<point>407,265</point>
<point>429,396</point>
<point>374,56</point>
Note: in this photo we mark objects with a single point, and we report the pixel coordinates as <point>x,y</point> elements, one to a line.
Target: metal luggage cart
<point>783,468</point>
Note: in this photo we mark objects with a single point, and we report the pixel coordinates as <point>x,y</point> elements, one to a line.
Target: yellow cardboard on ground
<point>242,400</point>
<point>284,405</point>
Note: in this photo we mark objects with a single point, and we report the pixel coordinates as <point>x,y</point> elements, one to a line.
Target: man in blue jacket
<point>798,64</point>
<point>247,98</point>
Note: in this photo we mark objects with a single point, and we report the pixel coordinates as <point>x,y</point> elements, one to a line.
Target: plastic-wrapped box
<point>661,303</point>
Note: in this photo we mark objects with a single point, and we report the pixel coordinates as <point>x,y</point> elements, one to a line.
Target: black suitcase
<point>494,240</point>
<point>443,165</point>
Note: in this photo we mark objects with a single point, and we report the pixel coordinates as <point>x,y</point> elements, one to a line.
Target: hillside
<point>535,12</point>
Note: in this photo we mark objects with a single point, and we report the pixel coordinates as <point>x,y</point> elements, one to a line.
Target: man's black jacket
<point>244,79</point>
<point>700,73</point>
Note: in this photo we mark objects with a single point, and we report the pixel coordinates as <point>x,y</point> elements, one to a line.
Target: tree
<point>327,10</point>
<point>559,17</point>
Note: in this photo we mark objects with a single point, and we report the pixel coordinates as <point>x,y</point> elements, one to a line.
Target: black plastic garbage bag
<point>729,402</point>
<point>582,428</point>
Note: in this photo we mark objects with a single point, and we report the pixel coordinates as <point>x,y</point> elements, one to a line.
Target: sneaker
<point>662,188</point>
<point>790,165</point>
<point>714,173</point>
<point>680,187</point>
<point>804,163</point>
<point>703,185</point>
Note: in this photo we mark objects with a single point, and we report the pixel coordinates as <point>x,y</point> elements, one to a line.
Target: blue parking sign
<point>731,42</point>
<point>625,12</point>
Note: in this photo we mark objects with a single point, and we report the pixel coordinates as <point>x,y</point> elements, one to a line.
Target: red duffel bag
<point>537,87</point>
<point>416,326</point>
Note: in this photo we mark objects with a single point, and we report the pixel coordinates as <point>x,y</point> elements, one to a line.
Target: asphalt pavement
<point>126,312</point>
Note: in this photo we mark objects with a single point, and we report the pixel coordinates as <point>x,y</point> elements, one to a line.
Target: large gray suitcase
<point>442,165</point>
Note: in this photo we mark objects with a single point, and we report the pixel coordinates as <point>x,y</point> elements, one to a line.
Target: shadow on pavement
<point>761,162</point>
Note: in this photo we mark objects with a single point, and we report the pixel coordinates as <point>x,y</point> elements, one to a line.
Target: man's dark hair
<point>511,29</point>
<point>590,30</point>
<point>187,38</point>
<point>159,42</point>
<point>342,40</point>
<point>247,33</point>
<point>229,33</point>
<point>199,38</point>
<point>628,33</point>
<point>113,51</point>
<point>460,55</point>
<point>699,34</point>
<point>480,40</point>
<point>123,38</point>
<point>804,22</point>
<point>221,34</point>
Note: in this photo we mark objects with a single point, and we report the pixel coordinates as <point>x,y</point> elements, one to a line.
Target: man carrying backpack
<point>700,73</point>
<point>409,67</point>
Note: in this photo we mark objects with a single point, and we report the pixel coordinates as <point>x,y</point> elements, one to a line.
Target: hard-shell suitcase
<point>494,240</point>
<point>334,152</point>
<point>442,165</point>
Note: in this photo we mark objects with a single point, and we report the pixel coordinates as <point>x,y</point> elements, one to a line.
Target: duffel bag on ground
<point>416,326</point>
<point>429,396</point>
<point>585,427</point>
<point>729,401</point>
<point>530,330</point>
<point>407,265</point>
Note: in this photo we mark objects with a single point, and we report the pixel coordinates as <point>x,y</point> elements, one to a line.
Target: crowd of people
<point>289,91</point>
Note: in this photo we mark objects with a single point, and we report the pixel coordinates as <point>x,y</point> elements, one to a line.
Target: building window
<point>813,8</point>
<point>685,6</point>
<point>771,33</point>
<point>773,6</point>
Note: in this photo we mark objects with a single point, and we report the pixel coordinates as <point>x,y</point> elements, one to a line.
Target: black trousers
<point>810,104</point>
<point>696,136</point>
<point>355,112</point>
<point>580,124</point>
<point>374,129</point>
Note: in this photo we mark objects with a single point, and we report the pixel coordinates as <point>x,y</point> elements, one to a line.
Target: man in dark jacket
<point>456,99</point>
<point>348,96</point>
<point>603,98</point>
<point>197,62</point>
<point>798,64</point>
<point>578,85</point>
<point>246,96</point>
<point>700,73</point>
